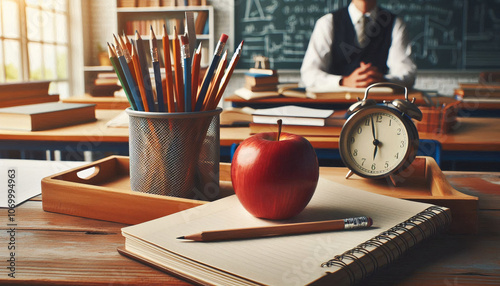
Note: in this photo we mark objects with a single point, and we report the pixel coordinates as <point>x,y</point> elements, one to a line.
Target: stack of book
<point>261,80</point>
<point>105,85</point>
<point>298,120</point>
<point>158,3</point>
<point>259,83</point>
<point>488,92</point>
<point>43,116</point>
<point>143,26</point>
<point>441,118</point>
<point>14,94</point>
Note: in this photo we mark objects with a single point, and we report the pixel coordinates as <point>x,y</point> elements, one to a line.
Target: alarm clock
<point>379,140</point>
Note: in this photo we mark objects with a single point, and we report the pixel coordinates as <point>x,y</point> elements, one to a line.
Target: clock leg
<point>349,174</point>
<point>393,180</point>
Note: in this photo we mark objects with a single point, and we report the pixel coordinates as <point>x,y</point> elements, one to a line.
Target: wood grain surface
<point>56,249</point>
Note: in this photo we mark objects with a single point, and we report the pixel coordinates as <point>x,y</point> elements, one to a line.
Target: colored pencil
<point>179,85</point>
<point>143,61</point>
<point>195,72</point>
<point>214,87</point>
<point>227,75</point>
<point>121,76</point>
<point>119,42</point>
<point>186,65</point>
<point>127,42</point>
<point>211,69</point>
<point>134,90</point>
<point>191,32</point>
<point>140,78</point>
<point>156,69</point>
<point>169,82</point>
<point>281,229</point>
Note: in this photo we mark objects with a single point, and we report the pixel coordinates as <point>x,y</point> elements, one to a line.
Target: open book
<point>332,258</point>
<point>292,115</point>
<point>343,92</point>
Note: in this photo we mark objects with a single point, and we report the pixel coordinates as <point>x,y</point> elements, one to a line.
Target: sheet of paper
<point>327,89</point>
<point>21,179</point>
<point>294,111</point>
<point>285,260</point>
<point>121,120</point>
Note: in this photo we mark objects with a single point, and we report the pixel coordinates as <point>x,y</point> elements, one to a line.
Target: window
<point>34,42</point>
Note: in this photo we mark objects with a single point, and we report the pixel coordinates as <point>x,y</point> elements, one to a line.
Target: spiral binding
<point>427,223</point>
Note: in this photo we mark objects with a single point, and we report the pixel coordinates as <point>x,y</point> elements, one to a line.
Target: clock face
<point>375,142</point>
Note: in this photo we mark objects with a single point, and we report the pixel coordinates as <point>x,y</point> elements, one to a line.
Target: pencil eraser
<point>184,40</point>
<point>370,222</point>
<point>223,38</point>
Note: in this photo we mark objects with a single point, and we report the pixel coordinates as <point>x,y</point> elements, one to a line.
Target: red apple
<point>274,174</point>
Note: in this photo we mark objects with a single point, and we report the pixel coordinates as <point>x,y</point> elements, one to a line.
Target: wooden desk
<point>65,250</point>
<point>318,103</point>
<point>101,102</point>
<point>475,135</point>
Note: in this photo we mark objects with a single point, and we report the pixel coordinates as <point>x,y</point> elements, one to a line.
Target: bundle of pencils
<point>182,91</point>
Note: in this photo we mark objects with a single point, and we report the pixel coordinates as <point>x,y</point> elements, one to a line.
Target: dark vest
<point>347,55</point>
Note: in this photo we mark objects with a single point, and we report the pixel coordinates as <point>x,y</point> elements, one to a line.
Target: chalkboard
<point>445,34</point>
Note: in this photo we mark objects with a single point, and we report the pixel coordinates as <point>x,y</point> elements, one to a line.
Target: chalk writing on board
<point>435,31</point>
<point>444,34</point>
<point>279,30</point>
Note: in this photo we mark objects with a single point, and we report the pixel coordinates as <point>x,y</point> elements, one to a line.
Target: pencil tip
<point>180,237</point>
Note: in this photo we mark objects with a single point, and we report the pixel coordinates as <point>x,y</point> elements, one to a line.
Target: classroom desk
<point>101,102</point>
<point>332,103</point>
<point>479,137</point>
<point>57,249</point>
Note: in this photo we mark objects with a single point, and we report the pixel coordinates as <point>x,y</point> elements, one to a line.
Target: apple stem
<point>280,123</point>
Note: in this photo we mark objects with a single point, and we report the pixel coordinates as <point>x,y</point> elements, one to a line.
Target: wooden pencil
<point>121,77</point>
<point>127,42</point>
<point>143,61</point>
<point>169,82</point>
<point>282,229</point>
<point>140,79</point>
<point>214,86</point>
<point>179,84</point>
<point>209,74</point>
<point>134,90</point>
<point>156,69</point>
<point>186,65</point>
<point>119,43</point>
<point>195,72</point>
<point>228,74</point>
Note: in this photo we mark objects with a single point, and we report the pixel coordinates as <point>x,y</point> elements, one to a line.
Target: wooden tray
<point>424,182</point>
<point>106,193</point>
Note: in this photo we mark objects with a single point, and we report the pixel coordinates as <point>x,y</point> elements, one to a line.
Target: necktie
<point>362,37</point>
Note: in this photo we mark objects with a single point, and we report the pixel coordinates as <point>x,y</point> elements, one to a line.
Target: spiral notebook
<point>340,257</point>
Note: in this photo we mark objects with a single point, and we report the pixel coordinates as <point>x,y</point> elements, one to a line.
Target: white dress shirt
<point>314,70</point>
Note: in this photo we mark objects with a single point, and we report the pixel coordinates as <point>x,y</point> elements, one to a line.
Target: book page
<point>23,177</point>
<point>332,89</point>
<point>294,111</point>
<point>282,260</point>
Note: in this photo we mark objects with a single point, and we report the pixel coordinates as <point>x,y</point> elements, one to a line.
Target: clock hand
<point>373,128</point>
<point>375,141</point>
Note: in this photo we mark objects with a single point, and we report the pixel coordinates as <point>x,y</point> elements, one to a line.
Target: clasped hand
<point>363,76</point>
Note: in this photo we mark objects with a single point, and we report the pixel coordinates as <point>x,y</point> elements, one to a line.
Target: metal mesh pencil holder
<point>175,154</point>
